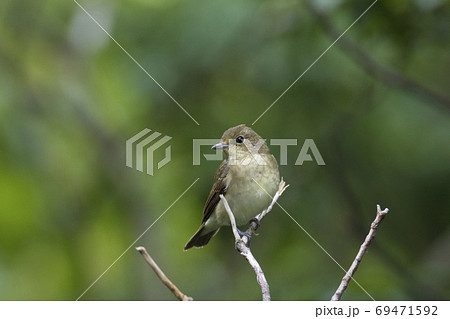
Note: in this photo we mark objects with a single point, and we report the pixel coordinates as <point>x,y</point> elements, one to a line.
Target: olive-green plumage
<point>245,177</point>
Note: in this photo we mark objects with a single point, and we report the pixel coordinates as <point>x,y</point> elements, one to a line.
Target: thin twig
<point>166,281</point>
<point>242,243</point>
<point>362,250</point>
<point>281,188</point>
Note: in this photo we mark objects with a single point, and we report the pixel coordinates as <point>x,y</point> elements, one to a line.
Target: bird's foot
<point>243,233</point>
<point>256,221</point>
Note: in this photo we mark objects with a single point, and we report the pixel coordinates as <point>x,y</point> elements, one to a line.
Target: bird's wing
<point>219,188</point>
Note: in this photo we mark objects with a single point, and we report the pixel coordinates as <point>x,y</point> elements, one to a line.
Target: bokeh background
<point>376,104</point>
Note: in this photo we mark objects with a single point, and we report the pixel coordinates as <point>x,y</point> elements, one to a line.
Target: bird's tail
<point>200,238</point>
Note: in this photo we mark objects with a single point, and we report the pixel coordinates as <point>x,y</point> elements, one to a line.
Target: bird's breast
<point>251,189</point>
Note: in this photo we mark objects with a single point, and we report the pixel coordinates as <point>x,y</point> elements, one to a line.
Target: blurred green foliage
<point>70,98</point>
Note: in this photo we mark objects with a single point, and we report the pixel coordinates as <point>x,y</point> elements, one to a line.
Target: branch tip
<point>382,212</point>
<point>362,250</point>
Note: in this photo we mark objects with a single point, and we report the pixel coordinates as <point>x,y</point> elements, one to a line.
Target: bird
<point>248,178</point>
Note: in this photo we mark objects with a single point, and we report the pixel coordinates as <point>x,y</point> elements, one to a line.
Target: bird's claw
<point>256,221</point>
<point>243,233</point>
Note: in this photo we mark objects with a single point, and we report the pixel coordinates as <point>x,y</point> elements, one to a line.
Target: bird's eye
<point>239,139</point>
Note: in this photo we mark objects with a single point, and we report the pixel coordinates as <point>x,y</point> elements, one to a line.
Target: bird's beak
<point>219,146</point>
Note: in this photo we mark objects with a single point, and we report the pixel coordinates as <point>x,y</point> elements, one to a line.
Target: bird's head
<point>241,140</point>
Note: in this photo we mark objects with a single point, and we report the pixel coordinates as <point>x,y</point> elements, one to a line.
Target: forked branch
<point>243,244</point>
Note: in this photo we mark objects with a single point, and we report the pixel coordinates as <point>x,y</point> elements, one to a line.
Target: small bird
<point>247,175</point>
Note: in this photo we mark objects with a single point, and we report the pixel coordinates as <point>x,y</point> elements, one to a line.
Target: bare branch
<point>245,251</point>
<point>166,281</point>
<point>242,243</point>
<point>281,188</point>
<point>362,250</point>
